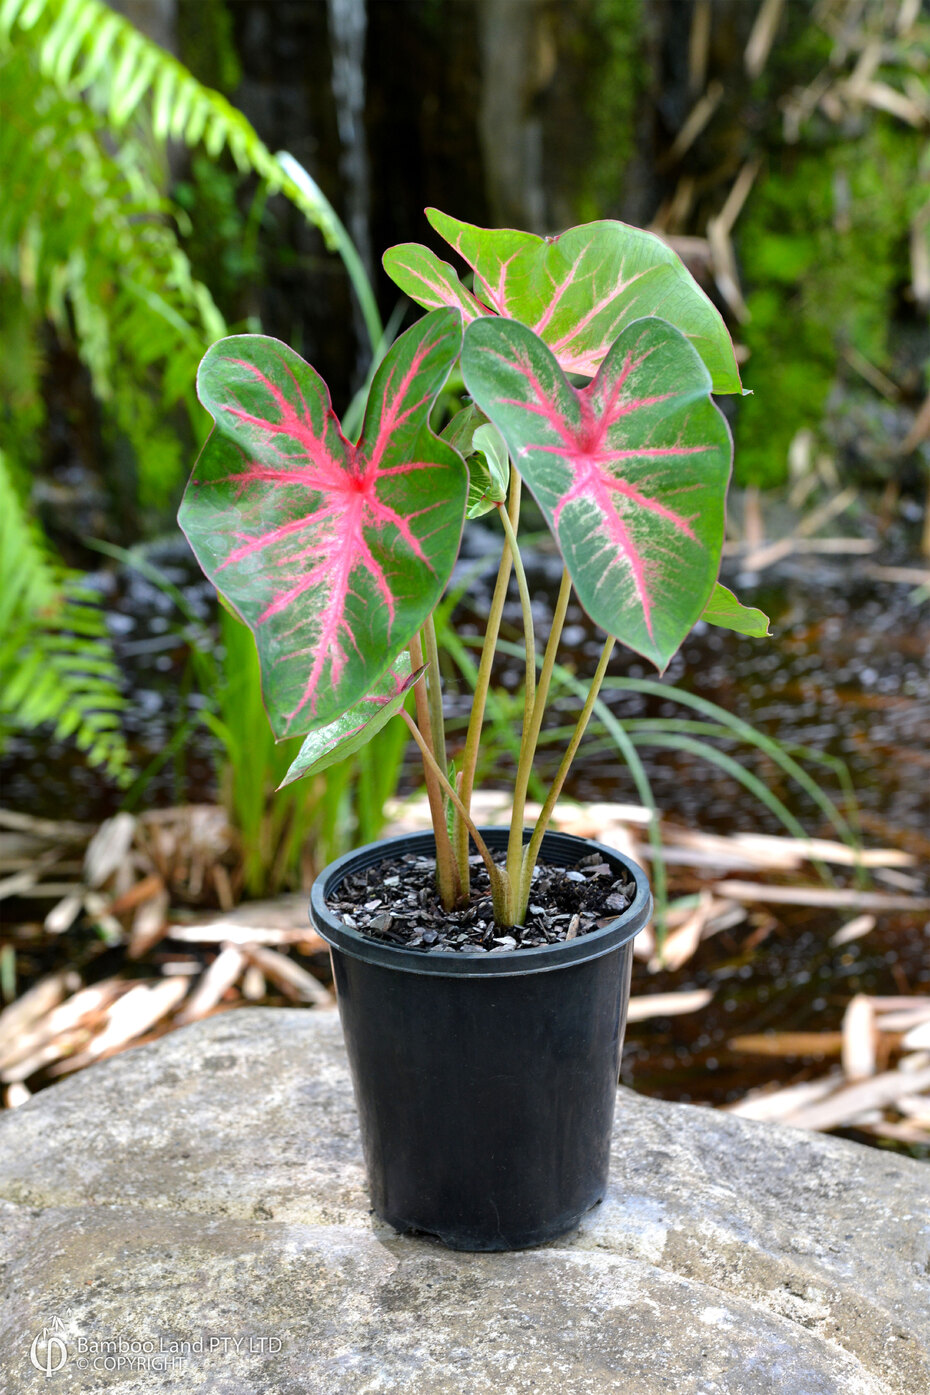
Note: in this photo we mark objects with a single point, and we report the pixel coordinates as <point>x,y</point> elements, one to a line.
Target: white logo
<point>49,1351</point>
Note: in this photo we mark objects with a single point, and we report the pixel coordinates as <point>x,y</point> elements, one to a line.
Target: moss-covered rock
<point>823,245</point>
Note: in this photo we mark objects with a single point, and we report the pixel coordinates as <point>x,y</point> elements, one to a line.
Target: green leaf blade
<point>485,452</point>
<point>725,611</point>
<point>430,282</point>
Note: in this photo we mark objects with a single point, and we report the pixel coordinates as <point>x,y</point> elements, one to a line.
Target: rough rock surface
<point>192,1216</point>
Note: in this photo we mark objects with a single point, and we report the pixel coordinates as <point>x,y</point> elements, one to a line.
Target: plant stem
<point>446,871</point>
<point>434,693</point>
<point>497,878</point>
<point>482,684</point>
<point>531,735</point>
<point>522,893</point>
<point>526,605</point>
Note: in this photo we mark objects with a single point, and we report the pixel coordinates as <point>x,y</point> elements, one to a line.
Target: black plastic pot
<point>485,1083</point>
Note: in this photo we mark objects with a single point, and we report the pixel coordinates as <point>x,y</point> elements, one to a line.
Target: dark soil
<point>396,902</point>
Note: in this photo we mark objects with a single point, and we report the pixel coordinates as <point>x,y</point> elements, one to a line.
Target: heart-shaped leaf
<point>355,728</point>
<point>724,610</point>
<point>333,554</point>
<point>630,472</point>
<point>576,291</point>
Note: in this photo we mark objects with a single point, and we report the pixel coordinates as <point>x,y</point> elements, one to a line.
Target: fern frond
<point>56,664</point>
<point>85,50</point>
<point>84,232</point>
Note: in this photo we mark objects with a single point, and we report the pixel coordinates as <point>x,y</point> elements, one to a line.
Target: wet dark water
<point>846,673</point>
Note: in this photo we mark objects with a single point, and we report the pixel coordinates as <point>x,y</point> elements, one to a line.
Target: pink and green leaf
<point>576,291</point>
<point>430,282</point>
<point>724,610</point>
<point>355,728</point>
<point>332,553</point>
<point>630,472</point>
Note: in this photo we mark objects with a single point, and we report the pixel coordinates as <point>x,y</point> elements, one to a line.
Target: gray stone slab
<point>208,1189</point>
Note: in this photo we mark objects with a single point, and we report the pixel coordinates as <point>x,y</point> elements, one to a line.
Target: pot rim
<point>561,848</point>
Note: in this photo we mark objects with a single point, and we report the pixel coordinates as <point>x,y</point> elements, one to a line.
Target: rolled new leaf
<point>460,431</point>
<point>576,291</point>
<point>485,454</point>
<point>631,472</point>
<point>332,553</point>
<point>488,471</point>
<point>355,728</point>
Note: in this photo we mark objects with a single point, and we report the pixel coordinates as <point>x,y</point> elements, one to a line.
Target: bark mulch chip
<point>396,902</point>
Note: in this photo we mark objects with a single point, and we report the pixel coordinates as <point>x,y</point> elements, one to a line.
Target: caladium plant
<point>590,361</point>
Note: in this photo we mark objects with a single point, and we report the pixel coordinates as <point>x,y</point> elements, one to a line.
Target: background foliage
<point>92,263</point>
<point>144,216</point>
<point>827,251</point>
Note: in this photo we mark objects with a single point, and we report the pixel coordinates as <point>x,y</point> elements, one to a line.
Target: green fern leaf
<point>84,48</point>
<point>56,663</point>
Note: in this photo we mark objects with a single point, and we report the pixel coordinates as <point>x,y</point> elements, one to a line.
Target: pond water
<point>845,673</point>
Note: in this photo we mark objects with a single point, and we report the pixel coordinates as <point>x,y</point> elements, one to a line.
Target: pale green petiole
<point>531,734</point>
<point>510,885</point>
<point>482,684</point>
<point>532,848</point>
<point>434,693</point>
<point>499,888</point>
<point>447,875</point>
<point>526,605</point>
